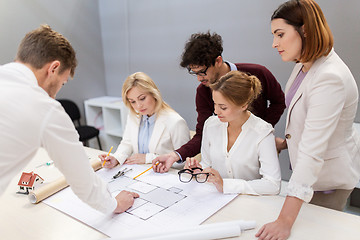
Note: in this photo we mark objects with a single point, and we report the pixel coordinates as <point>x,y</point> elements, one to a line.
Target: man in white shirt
<point>30,118</point>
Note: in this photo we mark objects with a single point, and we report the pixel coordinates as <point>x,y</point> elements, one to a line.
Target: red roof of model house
<point>28,179</point>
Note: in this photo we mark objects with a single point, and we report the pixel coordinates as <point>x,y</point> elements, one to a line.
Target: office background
<point>114,38</point>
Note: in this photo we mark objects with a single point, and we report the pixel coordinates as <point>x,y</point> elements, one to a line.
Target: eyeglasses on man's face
<point>185,175</point>
<point>198,73</point>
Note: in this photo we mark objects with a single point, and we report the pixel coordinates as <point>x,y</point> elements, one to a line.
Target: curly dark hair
<point>202,49</point>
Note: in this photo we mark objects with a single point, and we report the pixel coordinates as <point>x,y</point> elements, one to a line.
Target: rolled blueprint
<point>200,232</point>
<point>53,187</point>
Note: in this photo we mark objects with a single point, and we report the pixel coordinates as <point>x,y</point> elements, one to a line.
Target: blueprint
<point>164,202</point>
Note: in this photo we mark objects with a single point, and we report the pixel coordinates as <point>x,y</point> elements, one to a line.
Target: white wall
<point>149,36</point>
<point>77,20</point>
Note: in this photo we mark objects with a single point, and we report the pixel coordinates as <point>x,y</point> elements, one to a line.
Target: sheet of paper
<point>164,202</point>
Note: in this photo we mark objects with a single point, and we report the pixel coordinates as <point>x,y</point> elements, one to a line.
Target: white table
<point>19,219</point>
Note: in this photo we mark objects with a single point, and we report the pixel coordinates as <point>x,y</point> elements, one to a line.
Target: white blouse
<point>252,165</point>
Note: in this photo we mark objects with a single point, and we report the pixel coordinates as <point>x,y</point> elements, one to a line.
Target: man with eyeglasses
<point>202,57</point>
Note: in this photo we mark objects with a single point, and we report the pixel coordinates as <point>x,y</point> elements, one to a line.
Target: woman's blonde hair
<point>144,83</point>
<point>238,87</point>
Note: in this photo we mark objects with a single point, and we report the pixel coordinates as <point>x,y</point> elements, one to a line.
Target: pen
<point>121,173</point>
<point>157,163</point>
<point>107,155</point>
<point>47,164</point>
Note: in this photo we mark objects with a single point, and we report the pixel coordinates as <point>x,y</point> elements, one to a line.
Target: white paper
<point>207,231</point>
<point>164,203</point>
<point>195,234</point>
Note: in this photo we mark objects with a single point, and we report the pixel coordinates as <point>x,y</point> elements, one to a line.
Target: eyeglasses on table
<point>186,175</point>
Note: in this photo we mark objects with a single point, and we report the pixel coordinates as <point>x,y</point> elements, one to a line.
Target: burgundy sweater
<point>271,93</point>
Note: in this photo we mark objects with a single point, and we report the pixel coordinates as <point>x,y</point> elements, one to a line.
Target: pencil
<point>157,163</point>
<point>107,155</point>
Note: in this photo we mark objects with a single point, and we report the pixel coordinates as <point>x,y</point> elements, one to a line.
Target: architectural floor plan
<point>153,199</point>
<point>164,202</point>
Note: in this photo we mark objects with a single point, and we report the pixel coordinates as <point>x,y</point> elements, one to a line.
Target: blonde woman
<point>238,149</point>
<point>152,127</point>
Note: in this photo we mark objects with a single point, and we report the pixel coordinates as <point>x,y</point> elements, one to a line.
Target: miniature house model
<point>29,181</point>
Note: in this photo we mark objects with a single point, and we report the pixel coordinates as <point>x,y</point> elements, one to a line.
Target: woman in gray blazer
<point>322,98</point>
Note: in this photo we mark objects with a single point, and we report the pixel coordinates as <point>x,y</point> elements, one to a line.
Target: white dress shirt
<point>30,119</point>
<point>251,166</point>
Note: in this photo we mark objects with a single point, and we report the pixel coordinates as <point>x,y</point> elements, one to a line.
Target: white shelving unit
<point>108,114</point>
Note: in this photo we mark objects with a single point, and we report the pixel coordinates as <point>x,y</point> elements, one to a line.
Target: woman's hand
<point>110,161</point>
<point>278,230</point>
<point>281,228</point>
<point>215,178</point>
<point>137,158</point>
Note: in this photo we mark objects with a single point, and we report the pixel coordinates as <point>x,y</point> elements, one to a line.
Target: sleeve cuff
<point>112,206</point>
<point>232,187</point>
<point>119,157</point>
<point>301,191</point>
<point>181,160</point>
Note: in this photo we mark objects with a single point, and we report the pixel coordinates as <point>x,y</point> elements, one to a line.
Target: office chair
<point>85,132</point>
